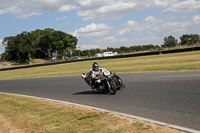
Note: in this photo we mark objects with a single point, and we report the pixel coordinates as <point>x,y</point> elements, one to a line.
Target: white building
<point>106,54</point>
<point>98,55</point>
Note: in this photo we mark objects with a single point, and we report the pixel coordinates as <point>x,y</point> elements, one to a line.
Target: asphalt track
<point>171,97</point>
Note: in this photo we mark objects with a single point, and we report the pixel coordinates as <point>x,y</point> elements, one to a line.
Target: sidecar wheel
<point>118,82</point>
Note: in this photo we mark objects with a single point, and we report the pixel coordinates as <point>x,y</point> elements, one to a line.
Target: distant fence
<point>104,58</point>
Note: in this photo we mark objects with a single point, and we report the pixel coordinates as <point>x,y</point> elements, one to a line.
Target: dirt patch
<point>5,126</point>
<point>5,64</point>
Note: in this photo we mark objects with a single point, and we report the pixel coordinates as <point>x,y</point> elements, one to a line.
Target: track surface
<point>171,97</point>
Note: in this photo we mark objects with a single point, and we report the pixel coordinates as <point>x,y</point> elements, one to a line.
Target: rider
<point>95,73</point>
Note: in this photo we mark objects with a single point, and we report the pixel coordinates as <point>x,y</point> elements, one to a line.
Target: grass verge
<point>29,115</point>
<point>166,62</point>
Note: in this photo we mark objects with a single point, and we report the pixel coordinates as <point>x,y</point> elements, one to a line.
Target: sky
<point>103,23</point>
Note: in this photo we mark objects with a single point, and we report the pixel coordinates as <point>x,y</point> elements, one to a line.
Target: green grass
<point>165,62</point>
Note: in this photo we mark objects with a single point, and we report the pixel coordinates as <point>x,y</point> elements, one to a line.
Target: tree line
<point>49,43</point>
<point>38,44</point>
<point>168,42</point>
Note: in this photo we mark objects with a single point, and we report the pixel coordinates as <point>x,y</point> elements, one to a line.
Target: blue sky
<point>103,23</point>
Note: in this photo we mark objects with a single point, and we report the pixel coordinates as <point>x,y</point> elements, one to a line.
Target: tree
<point>44,44</point>
<point>135,48</point>
<point>85,53</point>
<point>108,49</point>
<point>123,49</point>
<point>170,42</point>
<point>191,39</point>
<point>69,44</point>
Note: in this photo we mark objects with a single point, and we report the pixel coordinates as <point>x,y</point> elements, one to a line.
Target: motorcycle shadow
<point>89,93</point>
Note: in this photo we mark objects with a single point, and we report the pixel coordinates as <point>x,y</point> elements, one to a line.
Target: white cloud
<point>66,8</point>
<point>155,27</point>
<point>129,26</point>
<point>93,4</point>
<point>27,8</point>
<point>132,24</point>
<point>2,48</point>
<point>1,45</point>
<point>173,28</point>
<point>141,40</point>
<point>108,9</point>
<point>93,9</point>
<point>117,7</point>
<point>101,9</point>
<point>114,9</point>
<point>61,18</point>
<point>186,6</point>
<point>112,40</point>
<point>124,31</point>
<point>196,19</point>
<point>161,3</point>
<point>84,47</point>
<point>23,16</point>
<point>149,18</point>
<point>92,30</point>
<point>161,28</point>
<point>183,17</point>
<point>177,25</point>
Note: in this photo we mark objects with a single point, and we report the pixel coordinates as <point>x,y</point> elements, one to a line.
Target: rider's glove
<point>83,75</point>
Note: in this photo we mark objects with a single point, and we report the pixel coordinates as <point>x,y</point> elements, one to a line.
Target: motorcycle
<point>107,82</point>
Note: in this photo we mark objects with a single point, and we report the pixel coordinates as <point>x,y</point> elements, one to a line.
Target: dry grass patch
<point>28,115</point>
